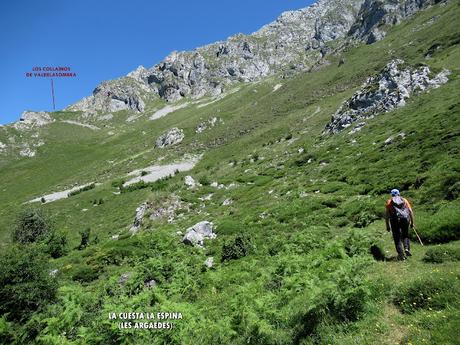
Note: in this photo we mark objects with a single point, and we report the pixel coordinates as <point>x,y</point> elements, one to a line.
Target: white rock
<point>196,234</point>
<point>172,137</point>
<point>190,182</point>
<point>209,262</point>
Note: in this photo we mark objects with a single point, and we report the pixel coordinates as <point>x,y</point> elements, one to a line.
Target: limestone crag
<point>111,96</point>
<point>172,137</point>
<point>384,92</point>
<point>34,119</point>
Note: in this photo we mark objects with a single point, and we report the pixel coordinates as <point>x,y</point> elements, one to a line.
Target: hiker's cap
<point>394,192</point>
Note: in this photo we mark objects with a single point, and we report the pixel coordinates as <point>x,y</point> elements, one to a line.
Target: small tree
<point>32,225</point>
<point>25,282</point>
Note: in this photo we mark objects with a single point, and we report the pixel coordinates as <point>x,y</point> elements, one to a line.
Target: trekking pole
<point>419,239</point>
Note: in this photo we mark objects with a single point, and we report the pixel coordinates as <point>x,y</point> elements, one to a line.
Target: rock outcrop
<point>172,137</point>
<point>384,92</point>
<point>375,15</point>
<point>196,235</point>
<point>34,118</point>
<point>140,213</point>
<point>115,95</point>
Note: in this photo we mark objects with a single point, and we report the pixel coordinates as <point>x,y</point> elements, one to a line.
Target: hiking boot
<point>401,258</point>
<point>408,253</point>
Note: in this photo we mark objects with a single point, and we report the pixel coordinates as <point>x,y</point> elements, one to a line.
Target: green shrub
<point>160,184</point>
<point>442,227</point>
<point>236,247</point>
<point>81,190</point>
<point>25,282</point>
<point>204,181</point>
<point>56,244</point>
<point>135,186</point>
<point>85,274</point>
<point>362,212</point>
<point>435,292</point>
<point>440,254</point>
<point>118,183</point>
<point>32,225</point>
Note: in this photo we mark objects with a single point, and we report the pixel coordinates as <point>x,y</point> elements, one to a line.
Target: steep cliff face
<point>295,40</point>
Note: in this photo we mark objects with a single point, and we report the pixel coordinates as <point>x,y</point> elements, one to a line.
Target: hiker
<point>399,215</point>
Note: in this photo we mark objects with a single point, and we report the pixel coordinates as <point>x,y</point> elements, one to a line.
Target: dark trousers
<point>400,230</point>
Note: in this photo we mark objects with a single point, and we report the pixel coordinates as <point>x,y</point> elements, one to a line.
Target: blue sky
<point>106,39</point>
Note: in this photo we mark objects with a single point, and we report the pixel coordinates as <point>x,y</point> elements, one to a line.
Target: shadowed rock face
<point>384,92</point>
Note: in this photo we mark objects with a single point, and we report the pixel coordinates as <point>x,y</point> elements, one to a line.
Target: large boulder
<point>196,234</point>
<point>172,137</point>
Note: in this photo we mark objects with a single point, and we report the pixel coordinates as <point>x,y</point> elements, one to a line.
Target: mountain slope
<point>295,211</point>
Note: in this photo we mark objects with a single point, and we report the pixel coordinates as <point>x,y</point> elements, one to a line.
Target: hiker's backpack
<point>399,208</point>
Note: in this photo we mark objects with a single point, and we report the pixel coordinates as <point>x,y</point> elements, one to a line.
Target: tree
<point>32,225</point>
<point>84,238</point>
<point>25,282</point>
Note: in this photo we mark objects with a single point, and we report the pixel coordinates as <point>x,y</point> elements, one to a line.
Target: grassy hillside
<point>292,257</point>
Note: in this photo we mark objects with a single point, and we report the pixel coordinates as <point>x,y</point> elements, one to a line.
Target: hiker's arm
<point>411,214</point>
<point>387,218</point>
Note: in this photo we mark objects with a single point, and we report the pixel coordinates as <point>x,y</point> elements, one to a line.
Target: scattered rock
<point>53,273</point>
<point>115,237</point>
<point>124,278</point>
<point>263,215</point>
<point>196,235</point>
<point>168,209</point>
<point>27,152</point>
<point>150,284</point>
<point>206,197</point>
<point>277,87</point>
<point>391,139</point>
<point>227,202</point>
<point>190,182</point>
<point>202,126</point>
<point>172,137</point>
<point>209,262</point>
<point>140,213</point>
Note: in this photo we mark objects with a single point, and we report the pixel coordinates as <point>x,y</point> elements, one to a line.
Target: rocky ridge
<point>297,39</point>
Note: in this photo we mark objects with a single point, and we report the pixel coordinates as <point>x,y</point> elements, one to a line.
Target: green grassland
<point>292,258</point>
